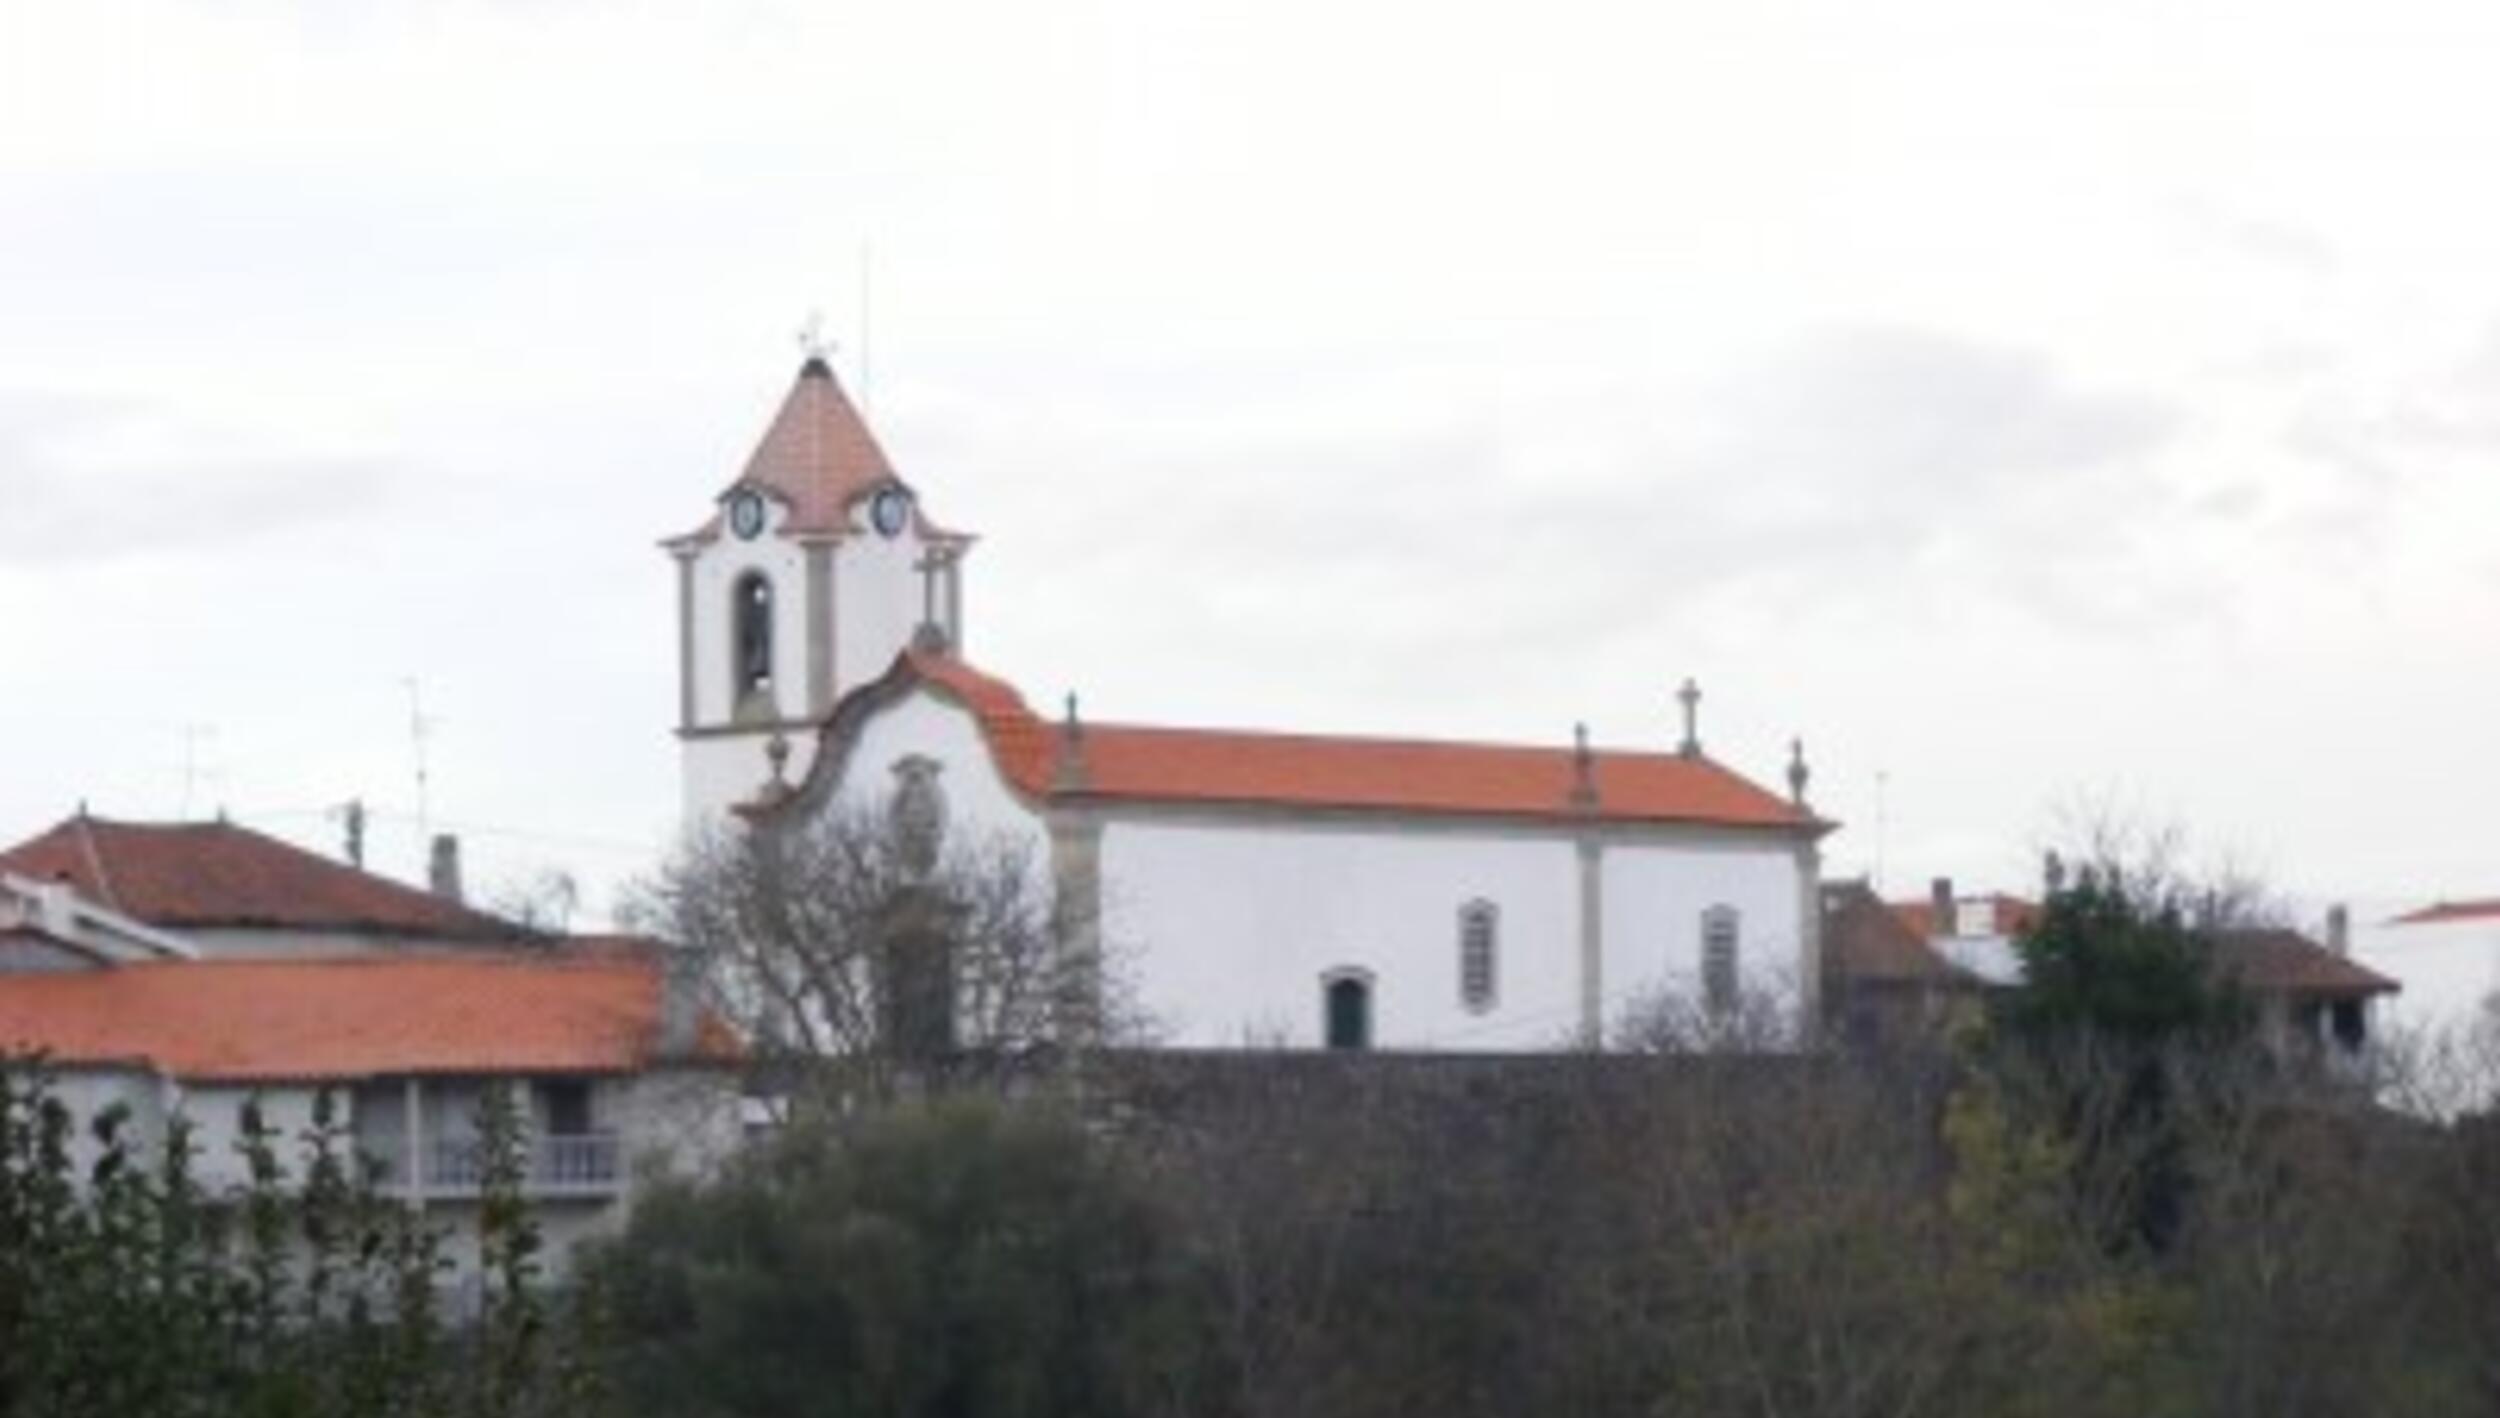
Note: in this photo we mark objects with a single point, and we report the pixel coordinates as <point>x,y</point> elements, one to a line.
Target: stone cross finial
<point>1798,773</point>
<point>1583,768</point>
<point>813,344</point>
<point>777,753</point>
<point>1690,697</point>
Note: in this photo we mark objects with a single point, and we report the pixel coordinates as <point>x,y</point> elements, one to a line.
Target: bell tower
<point>816,568</point>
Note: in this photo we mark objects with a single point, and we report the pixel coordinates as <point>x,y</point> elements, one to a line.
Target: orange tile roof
<point>218,874</point>
<point>2445,911</point>
<point>1136,763</point>
<point>1865,942</point>
<point>2007,915</point>
<point>817,456</point>
<point>341,1019</point>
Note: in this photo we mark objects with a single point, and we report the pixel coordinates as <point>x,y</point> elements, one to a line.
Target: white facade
<point>1228,922</point>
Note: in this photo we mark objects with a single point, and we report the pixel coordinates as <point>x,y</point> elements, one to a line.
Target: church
<point>1259,889</point>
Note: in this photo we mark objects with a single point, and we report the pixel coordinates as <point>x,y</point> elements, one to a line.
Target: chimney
<point>442,869</point>
<point>2339,929</point>
<point>1940,904</point>
<point>53,915</point>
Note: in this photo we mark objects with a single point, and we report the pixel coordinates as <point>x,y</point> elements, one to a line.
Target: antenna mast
<point>191,736</point>
<point>867,344</point>
<point>419,728</point>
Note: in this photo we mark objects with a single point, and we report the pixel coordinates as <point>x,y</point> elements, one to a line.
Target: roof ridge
<point>1402,740</point>
<point>95,859</point>
<point>489,957</point>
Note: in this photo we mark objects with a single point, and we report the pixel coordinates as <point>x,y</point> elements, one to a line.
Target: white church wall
<point>876,604</point>
<point>1655,891</point>
<point>979,804</point>
<point>717,568</point>
<point>722,770</point>
<point>1229,927</point>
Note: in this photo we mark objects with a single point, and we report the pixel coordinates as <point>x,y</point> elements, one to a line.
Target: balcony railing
<point>578,1164</point>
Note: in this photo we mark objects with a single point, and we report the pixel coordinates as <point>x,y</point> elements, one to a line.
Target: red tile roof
<point>2007,915</point>
<point>218,874</point>
<point>2272,958</point>
<point>2452,911</point>
<point>1864,942</point>
<point>344,1019</point>
<point>1136,763</point>
<point>817,456</point>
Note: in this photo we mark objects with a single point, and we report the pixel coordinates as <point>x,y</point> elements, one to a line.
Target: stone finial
<point>1690,697</point>
<point>1583,769</point>
<point>1071,773</point>
<point>1798,773</point>
<point>777,753</point>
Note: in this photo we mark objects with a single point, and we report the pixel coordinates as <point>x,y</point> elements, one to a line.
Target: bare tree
<point>863,937</point>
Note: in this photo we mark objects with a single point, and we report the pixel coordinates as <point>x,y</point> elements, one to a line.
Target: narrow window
<point>567,1103</point>
<point>1479,939</point>
<point>753,607</point>
<point>2349,1023</point>
<point>1348,1002</point>
<point>1718,960</point>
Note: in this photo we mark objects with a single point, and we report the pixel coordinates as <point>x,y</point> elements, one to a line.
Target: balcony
<point>558,1165</point>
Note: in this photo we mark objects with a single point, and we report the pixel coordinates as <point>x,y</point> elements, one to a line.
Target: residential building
<point>233,968</point>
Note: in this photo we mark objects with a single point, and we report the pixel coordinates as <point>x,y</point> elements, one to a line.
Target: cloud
<point>88,478</point>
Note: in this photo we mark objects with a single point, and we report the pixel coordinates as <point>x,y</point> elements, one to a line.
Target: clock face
<point>890,511</point>
<point>746,513</point>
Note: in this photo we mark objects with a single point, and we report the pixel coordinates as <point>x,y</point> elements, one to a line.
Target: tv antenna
<point>191,736</point>
<point>420,728</point>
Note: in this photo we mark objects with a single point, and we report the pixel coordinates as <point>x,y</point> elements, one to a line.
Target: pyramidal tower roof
<point>818,455</point>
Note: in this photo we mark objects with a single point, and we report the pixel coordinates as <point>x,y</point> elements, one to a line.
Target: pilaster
<point>820,663</point>
<point>1076,908</point>
<point>685,640</point>
<point>1592,859</point>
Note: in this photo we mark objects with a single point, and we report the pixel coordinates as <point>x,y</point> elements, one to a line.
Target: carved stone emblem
<point>919,813</point>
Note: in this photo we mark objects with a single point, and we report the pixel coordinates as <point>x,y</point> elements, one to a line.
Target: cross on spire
<point>814,344</point>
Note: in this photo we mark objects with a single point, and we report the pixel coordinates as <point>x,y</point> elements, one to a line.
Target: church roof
<point>1238,768</point>
<point>817,456</point>
<point>218,874</point>
<point>315,1020</point>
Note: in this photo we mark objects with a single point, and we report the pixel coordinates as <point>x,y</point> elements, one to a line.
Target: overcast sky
<point>2031,404</point>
